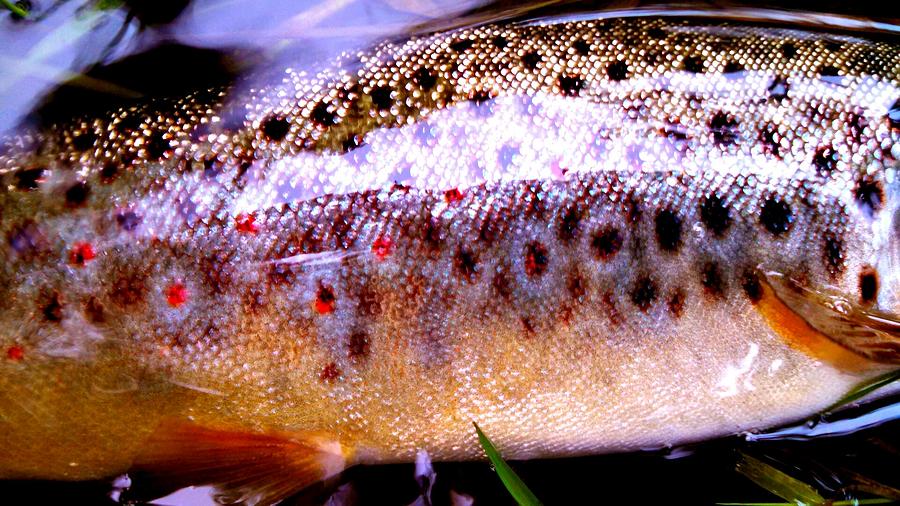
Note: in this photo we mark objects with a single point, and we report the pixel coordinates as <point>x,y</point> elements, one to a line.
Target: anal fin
<point>828,326</point>
<point>245,467</point>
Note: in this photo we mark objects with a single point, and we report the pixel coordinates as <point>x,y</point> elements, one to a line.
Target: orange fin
<point>245,467</point>
<point>857,336</point>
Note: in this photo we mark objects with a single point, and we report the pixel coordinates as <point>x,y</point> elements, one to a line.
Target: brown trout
<point>585,236</point>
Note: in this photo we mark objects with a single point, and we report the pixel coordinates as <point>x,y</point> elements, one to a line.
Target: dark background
<point>142,49</point>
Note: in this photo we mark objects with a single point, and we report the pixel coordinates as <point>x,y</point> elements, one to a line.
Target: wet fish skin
<point>557,230</point>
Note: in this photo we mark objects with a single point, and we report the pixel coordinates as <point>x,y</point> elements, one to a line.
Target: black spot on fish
<point>424,78</point>
<point>462,45</point>
<point>856,125</point>
<point>128,220</point>
<point>275,128</point>
<point>632,208</point>
<point>581,47</point>
<point>381,97</point>
<point>778,89</point>
<point>668,230</point>
<point>776,216</point>
<point>606,243</point>
<point>868,285</point>
<point>732,67</point>
<point>656,33</point>
<point>109,172</point>
<point>711,279</point>
<point>212,167</point>
<point>570,85</point>
<point>52,307</point>
<point>893,115</point>
<point>536,259</point>
<point>830,74</point>
<point>833,46</point>
<point>465,264</point>
<point>617,71</point>
<point>157,146</point>
<point>715,215</point>
<point>675,304</point>
<point>323,115</point>
<point>834,255</point>
<point>77,194</point>
<point>84,140</point>
<point>531,59</point>
<point>576,285</point>
<point>489,231</point>
<point>358,345</point>
<point>352,142</point>
<point>569,225</point>
<point>788,50</point>
<point>128,124</point>
<point>723,127</point>
<point>751,285</point>
<point>869,196</point>
<point>502,284</point>
<point>644,293</point>
<point>527,325</point>
<point>770,139</point>
<point>825,160</point>
<point>30,179</point>
<point>500,42</point>
<point>693,64</point>
<point>480,97</point>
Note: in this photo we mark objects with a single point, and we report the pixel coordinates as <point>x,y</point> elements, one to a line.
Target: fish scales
<point>565,231</point>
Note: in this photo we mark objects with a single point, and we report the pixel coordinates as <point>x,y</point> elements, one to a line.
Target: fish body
<point>585,236</point>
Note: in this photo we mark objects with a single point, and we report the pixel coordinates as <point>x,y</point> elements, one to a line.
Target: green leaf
<point>517,489</point>
<point>865,389</point>
<point>777,482</point>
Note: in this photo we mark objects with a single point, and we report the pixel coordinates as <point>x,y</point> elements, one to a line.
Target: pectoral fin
<point>828,326</point>
<point>244,466</point>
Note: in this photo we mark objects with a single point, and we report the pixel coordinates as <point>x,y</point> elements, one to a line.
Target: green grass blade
<point>865,389</point>
<point>777,482</point>
<point>848,502</point>
<point>517,489</point>
<point>18,11</point>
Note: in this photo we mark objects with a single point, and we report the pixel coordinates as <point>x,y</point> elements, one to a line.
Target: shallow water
<point>215,41</point>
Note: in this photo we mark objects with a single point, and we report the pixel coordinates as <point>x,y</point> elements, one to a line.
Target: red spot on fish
<point>325,300</point>
<point>15,353</point>
<point>382,247</point>
<point>330,372</point>
<point>81,254</point>
<point>453,196</point>
<point>246,224</point>
<point>176,294</point>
